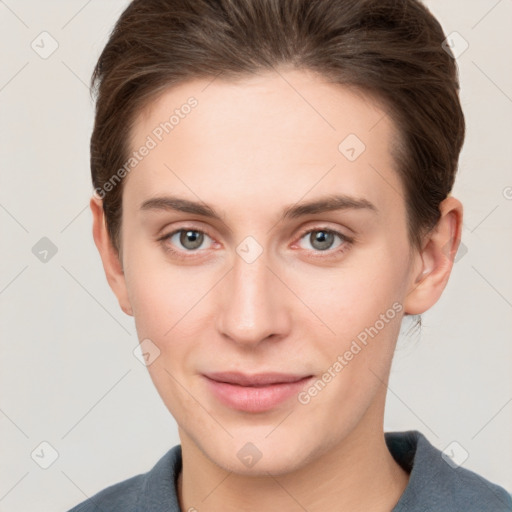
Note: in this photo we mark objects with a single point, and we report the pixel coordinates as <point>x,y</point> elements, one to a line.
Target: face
<point>235,261</point>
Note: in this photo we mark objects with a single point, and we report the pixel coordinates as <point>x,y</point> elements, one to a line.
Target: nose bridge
<point>253,306</point>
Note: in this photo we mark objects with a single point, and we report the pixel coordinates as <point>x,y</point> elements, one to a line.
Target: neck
<point>358,474</point>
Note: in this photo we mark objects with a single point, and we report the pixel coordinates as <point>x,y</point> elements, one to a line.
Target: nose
<point>253,306</point>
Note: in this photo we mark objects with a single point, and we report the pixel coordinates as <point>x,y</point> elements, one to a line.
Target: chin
<point>254,454</point>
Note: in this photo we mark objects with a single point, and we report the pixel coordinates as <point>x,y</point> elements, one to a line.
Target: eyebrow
<point>320,205</point>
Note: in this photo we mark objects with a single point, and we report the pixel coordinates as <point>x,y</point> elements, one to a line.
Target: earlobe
<point>435,261</point>
<point>112,264</point>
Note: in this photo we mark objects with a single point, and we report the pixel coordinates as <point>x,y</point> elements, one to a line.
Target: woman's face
<point>276,282</point>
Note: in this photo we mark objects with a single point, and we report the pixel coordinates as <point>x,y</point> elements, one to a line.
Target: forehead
<point>291,131</point>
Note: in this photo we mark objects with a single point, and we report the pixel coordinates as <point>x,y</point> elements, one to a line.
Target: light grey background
<point>68,375</point>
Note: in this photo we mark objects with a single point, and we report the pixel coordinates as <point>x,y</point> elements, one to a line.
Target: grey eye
<point>189,239</point>
<point>322,239</point>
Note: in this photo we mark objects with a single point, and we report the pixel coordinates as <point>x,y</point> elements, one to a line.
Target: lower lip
<point>255,399</point>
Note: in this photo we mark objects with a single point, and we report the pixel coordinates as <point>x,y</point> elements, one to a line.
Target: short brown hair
<point>391,49</point>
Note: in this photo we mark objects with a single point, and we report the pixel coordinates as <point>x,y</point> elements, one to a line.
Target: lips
<point>256,380</point>
<point>255,393</point>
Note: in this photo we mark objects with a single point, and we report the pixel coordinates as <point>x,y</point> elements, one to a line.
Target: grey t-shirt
<point>434,484</point>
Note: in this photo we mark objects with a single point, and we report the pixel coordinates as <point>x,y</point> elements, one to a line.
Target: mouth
<point>254,393</point>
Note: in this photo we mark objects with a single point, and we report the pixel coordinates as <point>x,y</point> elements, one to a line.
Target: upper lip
<point>257,379</point>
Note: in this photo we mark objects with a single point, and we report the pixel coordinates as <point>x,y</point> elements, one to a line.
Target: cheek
<point>352,297</point>
<point>166,302</point>
<point>170,304</point>
<point>364,310</point>
<point>155,288</point>
<point>362,304</point>
<point>161,298</point>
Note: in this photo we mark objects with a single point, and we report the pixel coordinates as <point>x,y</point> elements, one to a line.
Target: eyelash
<point>344,246</point>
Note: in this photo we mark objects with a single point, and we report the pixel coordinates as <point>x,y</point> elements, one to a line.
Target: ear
<point>435,261</point>
<point>109,255</point>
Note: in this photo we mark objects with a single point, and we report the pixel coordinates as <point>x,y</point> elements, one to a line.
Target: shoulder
<point>438,483</point>
<point>120,496</point>
<point>153,490</point>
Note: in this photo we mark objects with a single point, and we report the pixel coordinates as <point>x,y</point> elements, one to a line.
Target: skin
<point>249,149</point>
